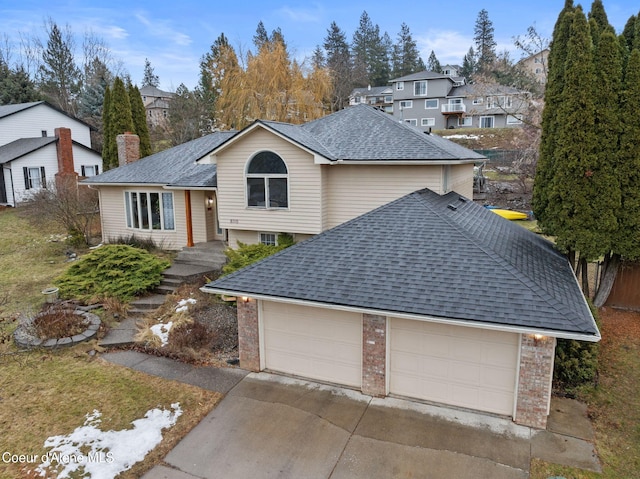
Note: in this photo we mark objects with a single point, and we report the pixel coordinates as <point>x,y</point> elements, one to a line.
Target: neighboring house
<point>379,96</point>
<point>438,101</point>
<point>431,297</point>
<point>157,104</point>
<point>273,178</point>
<point>37,142</point>
<point>537,64</point>
<point>451,70</point>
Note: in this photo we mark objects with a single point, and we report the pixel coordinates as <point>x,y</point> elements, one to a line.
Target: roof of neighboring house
<point>371,91</point>
<point>441,257</point>
<point>7,110</point>
<point>154,91</point>
<point>423,75</point>
<point>173,167</point>
<point>18,148</point>
<point>476,89</point>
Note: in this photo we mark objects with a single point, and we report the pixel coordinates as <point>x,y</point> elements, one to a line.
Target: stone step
<point>188,272</point>
<point>147,303</point>
<point>166,290</point>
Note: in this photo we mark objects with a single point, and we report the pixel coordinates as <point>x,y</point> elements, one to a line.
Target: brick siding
<point>248,335</point>
<point>534,381</point>
<point>374,349</point>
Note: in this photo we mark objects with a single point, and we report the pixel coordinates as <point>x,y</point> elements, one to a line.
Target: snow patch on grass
<point>100,454</point>
<point>183,304</point>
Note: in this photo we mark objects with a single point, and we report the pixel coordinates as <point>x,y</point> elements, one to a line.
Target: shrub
<point>247,254</point>
<point>146,244</point>
<point>112,271</point>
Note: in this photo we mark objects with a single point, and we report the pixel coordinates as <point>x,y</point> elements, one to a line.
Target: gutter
<point>432,319</point>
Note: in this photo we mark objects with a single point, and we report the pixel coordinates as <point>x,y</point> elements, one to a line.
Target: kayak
<point>510,214</point>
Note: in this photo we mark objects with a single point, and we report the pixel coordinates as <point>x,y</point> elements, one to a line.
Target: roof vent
<point>462,198</point>
<point>452,207</point>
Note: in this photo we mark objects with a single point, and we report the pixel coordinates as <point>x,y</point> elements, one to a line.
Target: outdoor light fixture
<point>245,299</point>
<point>538,337</point>
<point>209,202</point>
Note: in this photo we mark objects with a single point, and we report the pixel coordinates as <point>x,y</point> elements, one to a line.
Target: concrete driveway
<point>274,427</point>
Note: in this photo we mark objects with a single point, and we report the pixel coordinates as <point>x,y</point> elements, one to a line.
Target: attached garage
<point>316,343</point>
<point>466,367</point>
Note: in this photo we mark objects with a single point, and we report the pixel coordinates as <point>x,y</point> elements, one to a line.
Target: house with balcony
<point>380,97</point>
<point>438,101</point>
<point>156,103</point>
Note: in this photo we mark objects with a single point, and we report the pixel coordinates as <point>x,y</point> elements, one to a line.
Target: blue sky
<point>174,35</point>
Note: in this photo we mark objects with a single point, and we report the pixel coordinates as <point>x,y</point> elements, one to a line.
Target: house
<point>430,297</point>
<point>156,103</point>
<point>379,96</point>
<point>452,70</point>
<point>38,142</point>
<point>439,101</point>
<point>537,64</point>
<point>273,178</point>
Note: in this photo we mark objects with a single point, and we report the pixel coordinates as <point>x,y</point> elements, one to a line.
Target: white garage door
<point>465,367</point>
<point>313,342</point>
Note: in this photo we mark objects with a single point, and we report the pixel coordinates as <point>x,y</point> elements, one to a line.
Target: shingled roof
<point>173,167</point>
<point>362,133</point>
<point>18,148</point>
<point>441,257</point>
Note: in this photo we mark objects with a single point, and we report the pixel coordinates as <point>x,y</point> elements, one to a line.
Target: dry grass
<point>46,394</point>
<point>614,405</point>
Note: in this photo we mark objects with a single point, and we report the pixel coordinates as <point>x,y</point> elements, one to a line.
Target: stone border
<point>24,339</point>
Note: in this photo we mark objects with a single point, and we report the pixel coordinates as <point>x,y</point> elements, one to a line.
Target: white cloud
<point>302,15</point>
<point>112,32</point>
<point>163,29</point>
<point>449,46</point>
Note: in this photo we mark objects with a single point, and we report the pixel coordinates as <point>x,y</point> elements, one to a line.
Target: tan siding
<point>462,180</point>
<point>305,212</point>
<point>356,189</point>
<point>246,237</point>
<point>114,222</point>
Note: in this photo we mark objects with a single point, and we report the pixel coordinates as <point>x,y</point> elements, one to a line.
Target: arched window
<point>267,178</point>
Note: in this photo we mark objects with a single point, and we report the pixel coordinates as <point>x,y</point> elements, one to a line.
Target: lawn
<point>45,393</point>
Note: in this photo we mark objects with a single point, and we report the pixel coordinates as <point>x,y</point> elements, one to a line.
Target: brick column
<point>248,335</point>
<point>374,352</point>
<point>534,380</point>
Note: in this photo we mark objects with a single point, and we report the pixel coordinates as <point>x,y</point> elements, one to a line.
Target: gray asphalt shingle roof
<point>446,257</point>
<point>423,75</point>
<point>174,167</point>
<point>23,146</point>
<point>6,110</point>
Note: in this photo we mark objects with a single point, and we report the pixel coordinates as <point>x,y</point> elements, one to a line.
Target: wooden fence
<point>626,289</point>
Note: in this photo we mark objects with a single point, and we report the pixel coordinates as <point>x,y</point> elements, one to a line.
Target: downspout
<point>187,205</point>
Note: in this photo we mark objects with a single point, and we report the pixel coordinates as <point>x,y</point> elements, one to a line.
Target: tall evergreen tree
<point>485,42</point>
<point>433,65</point>
<point>139,119</point>
<point>318,59</point>
<point>546,168</point>
<point>598,22</point>
<point>339,63</point>
<point>468,64</point>
<point>629,32</point>
<point>212,66</point>
<point>108,140</point>
<point>149,78</point>
<point>59,77</point>
<point>406,57</point>
<point>119,121</point>
<point>261,36</point>
<point>16,86</point>
<point>371,55</point>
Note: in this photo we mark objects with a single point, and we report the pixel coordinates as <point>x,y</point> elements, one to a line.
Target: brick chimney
<point>128,148</point>
<point>64,148</point>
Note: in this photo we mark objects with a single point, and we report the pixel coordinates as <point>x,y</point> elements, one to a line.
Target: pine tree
<point>468,64</point>
<point>433,65</point>
<point>16,86</point>
<point>261,36</point>
<point>318,59</point>
<point>340,65</point>
<point>149,78</point>
<point>546,168</point>
<point>211,67</point>
<point>59,77</point>
<point>139,119</point>
<point>108,139</point>
<point>406,57</point>
<point>485,42</point>
<point>371,54</point>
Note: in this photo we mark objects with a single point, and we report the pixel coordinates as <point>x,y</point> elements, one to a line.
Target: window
<point>149,211</point>
<point>269,239</point>
<point>465,121</point>
<point>420,88</point>
<point>44,133</point>
<point>89,170</point>
<point>356,99</point>
<point>499,102</point>
<point>388,99</point>
<point>267,181</point>
<point>34,178</point>
<point>400,85</point>
<point>428,122</point>
<point>477,100</point>
<point>538,71</point>
<point>514,119</point>
<point>486,122</point>
<point>413,122</point>
<point>406,104</point>
<point>428,104</point>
